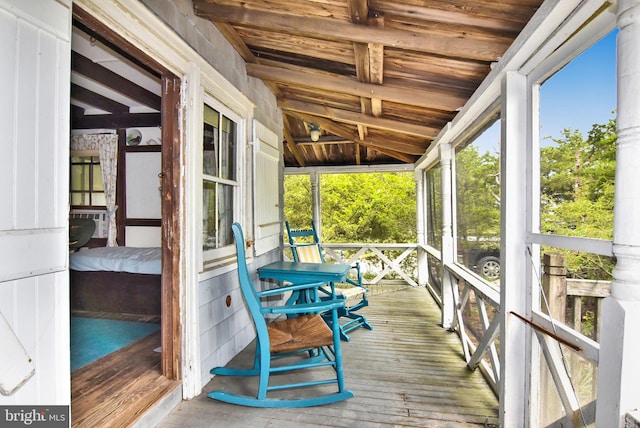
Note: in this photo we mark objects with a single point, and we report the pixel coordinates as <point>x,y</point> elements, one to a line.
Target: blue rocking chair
<point>305,246</point>
<point>305,340</point>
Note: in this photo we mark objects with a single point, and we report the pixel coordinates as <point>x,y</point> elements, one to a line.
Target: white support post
<point>514,346</point>
<point>316,209</point>
<point>448,304</point>
<point>423,267</point>
<point>618,369</point>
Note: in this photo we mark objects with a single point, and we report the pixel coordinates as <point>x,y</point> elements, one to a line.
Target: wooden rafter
<point>429,98</point>
<point>380,77</point>
<point>353,118</point>
<point>480,49</point>
<point>114,81</point>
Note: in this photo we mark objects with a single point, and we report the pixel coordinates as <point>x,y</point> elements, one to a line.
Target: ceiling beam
<point>428,98</point>
<point>115,121</point>
<point>354,118</point>
<point>288,138</point>
<point>481,49</point>
<point>401,150</point>
<point>84,66</point>
<point>93,99</point>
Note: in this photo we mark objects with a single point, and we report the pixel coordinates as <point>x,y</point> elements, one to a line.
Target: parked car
<point>485,261</point>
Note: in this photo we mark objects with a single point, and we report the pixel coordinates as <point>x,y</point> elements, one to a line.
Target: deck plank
<point>407,371</point>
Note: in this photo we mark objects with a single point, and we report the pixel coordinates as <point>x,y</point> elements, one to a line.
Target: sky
<point>581,94</point>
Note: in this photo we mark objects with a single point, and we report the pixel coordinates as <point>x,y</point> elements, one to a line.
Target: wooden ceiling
<point>380,77</point>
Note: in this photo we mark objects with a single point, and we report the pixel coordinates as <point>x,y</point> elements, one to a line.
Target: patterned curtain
<point>107,147</point>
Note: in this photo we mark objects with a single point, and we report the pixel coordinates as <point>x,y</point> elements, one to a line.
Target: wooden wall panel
<point>34,113</point>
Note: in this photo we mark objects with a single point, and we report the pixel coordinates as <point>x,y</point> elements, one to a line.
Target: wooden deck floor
<point>407,371</point>
<point>117,390</point>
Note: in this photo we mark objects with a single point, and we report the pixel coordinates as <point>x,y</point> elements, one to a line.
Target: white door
<point>267,195</point>
<point>35,47</point>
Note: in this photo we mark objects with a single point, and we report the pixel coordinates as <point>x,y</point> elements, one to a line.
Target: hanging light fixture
<point>314,132</point>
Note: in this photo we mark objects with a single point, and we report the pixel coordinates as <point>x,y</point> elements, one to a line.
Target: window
<point>87,189</point>
<point>478,203</point>
<point>219,179</point>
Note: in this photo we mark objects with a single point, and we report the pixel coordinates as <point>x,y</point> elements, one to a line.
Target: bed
<point>116,279</point>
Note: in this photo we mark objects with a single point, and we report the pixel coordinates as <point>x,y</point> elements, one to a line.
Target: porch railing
<point>477,314</point>
<point>380,264</point>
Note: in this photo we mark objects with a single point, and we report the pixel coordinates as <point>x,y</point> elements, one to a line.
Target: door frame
<point>172,193</point>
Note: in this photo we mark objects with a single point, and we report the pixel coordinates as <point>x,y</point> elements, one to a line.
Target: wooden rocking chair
<point>305,246</point>
<point>306,339</point>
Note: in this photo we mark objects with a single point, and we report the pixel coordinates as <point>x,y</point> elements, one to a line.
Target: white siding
<point>34,118</point>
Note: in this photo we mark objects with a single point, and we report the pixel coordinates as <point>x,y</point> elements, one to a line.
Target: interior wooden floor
<point>407,371</point>
<point>118,389</point>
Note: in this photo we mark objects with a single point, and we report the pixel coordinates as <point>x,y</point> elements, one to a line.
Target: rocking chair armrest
<point>358,282</point>
<point>321,306</point>
<point>286,288</point>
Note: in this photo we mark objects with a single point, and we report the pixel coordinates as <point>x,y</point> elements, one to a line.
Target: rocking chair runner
<point>306,339</point>
<point>305,246</point>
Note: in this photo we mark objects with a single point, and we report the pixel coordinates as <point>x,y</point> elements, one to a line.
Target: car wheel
<point>489,267</point>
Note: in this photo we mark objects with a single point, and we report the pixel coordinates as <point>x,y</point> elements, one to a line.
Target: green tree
<point>478,194</point>
<point>578,182</point>
<point>366,207</point>
<point>297,200</point>
<point>371,207</point>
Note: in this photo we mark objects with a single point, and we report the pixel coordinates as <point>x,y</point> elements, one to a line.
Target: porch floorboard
<point>407,371</point>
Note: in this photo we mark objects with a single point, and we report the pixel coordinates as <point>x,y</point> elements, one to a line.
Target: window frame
<point>91,191</point>
<point>212,258</point>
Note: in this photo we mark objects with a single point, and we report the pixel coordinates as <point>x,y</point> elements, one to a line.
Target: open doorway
<point>122,97</point>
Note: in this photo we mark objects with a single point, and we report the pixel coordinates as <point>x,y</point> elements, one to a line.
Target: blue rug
<point>93,338</point>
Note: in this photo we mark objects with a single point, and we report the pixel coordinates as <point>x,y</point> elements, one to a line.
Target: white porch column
<point>423,268</point>
<point>448,309</point>
<point>618,369</point>
<point>316,210</point>
<point>514,340</point>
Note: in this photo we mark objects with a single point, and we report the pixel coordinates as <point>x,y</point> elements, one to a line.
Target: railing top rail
<point>491,294</point>
<point>369,245</point>
<point>588,288</point>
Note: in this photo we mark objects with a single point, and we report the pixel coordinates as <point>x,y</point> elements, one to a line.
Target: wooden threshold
<point>117,390</point>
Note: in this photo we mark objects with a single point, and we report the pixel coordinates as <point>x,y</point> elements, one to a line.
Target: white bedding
<point>118,259</point>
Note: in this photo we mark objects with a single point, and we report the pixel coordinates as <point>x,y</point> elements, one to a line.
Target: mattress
<point>118,259</point>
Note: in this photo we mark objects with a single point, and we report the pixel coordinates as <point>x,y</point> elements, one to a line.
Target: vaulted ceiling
<point>380,78</point>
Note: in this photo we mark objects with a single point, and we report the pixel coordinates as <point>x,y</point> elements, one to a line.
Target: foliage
<point>478,196</point>
<point>297,200</point>
<point>577,195</point>
<point>371,207</point>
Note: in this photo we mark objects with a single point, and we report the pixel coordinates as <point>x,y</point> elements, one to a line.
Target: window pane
<point>226,215</point>
<point>434,208</point>
<point>209,216</point>
<point>478,204</point>
<point>578,145</point>
<point>227,149</point>
<point>210,143</point>
<point>98,199</point>
<point>80,199</point>
<point>98,186</point>
<point>79,177</point>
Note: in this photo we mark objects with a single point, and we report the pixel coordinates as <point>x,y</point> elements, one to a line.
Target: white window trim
<point>219,257</point>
